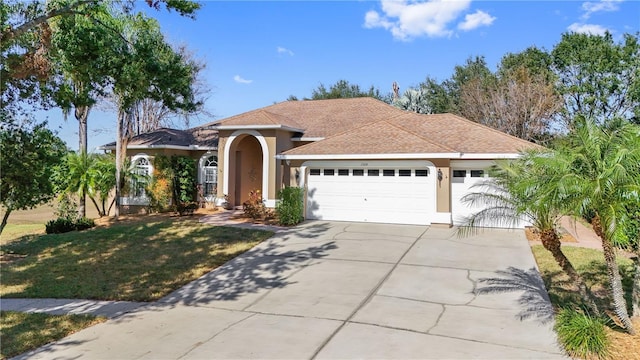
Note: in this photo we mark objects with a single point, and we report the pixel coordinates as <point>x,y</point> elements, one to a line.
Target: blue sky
<point>260,52</point>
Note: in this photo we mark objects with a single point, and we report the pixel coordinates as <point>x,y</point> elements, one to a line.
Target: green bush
<point>289,208</point>
<point>84,223</point>
<point>65,224</point>
<point>582,335</point>
<point>179,181</point>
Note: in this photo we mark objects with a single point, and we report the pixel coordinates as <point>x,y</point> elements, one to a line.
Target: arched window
<point>209,175</point>
<point>140,177</point>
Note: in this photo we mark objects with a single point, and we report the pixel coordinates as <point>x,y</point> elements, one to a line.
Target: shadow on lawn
<point>143,262</point>
<point>595,276</point>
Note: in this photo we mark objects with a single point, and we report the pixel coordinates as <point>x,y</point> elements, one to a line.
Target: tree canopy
<point>343,89</point>
<point>30,152</point>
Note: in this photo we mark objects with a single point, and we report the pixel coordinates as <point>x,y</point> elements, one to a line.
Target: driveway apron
<point>337,290</point>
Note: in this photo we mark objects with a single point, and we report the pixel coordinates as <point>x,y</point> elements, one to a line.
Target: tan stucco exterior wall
<point>443,187</point>
<point>277,141</point>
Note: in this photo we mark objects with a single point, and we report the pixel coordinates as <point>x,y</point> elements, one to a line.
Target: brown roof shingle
<point>370,126</point>
<point>198,136</point>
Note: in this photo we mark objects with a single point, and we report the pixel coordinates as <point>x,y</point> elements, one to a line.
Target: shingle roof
<point>382,137</point>
<point>370,126</point>
<point>318,118</point>
<point>260,117</point>
<point>198,136</point>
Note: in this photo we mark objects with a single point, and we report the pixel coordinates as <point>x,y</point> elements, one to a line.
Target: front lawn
<point>138,261</point>
<point>590,264</point>
<point>21,332</point>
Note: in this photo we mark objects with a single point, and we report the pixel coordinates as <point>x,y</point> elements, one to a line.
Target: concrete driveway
<point>331,290</point>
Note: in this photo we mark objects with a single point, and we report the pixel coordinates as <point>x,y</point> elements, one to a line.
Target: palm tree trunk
<point>81,114</point>
<point>619,304</point>
<point>635,294</point>
<point>4,219</point>
<point>100,213</point>
<point>551,242</point>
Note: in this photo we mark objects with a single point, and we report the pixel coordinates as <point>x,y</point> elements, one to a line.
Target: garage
<point>381,192</point>
<point>464,175</point>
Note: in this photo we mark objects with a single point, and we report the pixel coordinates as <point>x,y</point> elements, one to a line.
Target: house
<point>358,159</point>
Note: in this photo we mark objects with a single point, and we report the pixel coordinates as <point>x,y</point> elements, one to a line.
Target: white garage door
<point>462,182</point>
<point>464,175</point>
<point>386,194</point>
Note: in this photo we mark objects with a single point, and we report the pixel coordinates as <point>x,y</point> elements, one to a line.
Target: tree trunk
<point>100,213</point>
<point>81,114</point>
<point>551,242</point>
<point>619,303</point>
<point>119,162</point>
<point>4,220</point>
<point>635,295</point>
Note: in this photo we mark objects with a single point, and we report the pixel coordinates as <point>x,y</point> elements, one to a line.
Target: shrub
<point>84,223</point>
<point>289,208</point>
<point>159,191</point>
<point>60,225</point>
<point>582,335</point>
<point>179,172</point>
<point>65,224</point>
<point>255,207</point>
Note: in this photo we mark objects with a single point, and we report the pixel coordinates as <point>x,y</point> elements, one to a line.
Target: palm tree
<point>523,191</point>
<point>601,179</point>
<point>80,179</point>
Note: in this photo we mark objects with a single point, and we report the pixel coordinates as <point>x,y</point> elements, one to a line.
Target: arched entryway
<point>245,168</point>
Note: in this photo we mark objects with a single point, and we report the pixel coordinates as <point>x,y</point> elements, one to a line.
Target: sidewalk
<point>585,236</point>
<point>109,309</point>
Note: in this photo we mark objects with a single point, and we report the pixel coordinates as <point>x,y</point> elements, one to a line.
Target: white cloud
<point>592,29</point>
<point>407,19</point>
<point>591,7</point>
<point>475,20</point>
<point>240,80</point>
<point>283,50</point>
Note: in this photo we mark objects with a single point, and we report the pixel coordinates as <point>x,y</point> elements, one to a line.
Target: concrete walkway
<point>328,290</point>
<point>109,309</point>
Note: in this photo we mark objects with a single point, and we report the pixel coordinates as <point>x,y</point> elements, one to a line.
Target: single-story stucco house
<point>358,159</point>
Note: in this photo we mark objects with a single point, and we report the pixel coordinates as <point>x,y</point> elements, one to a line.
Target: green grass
<point>12,232</point>
<point>21,332</point>
<point>140,261</point>
<point>590,264</point>
<point>582,336</point>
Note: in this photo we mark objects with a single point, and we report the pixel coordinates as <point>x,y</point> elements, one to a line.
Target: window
<point>373,172</point>
<point>141,172</point>
<point>343,172</point>
<point>358,172</point>
<point>459,173</point>
<point>477,173</point>
<point>314,172</point>
<point>404,172</point>
<point>388,172</point>
<point>329,172</point>
<point>422,172</point>
<point>210,176</point>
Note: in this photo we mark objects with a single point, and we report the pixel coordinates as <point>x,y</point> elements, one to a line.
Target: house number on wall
<point>364,164</point>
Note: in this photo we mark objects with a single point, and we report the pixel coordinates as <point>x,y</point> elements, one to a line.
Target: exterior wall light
<point>439,175</point>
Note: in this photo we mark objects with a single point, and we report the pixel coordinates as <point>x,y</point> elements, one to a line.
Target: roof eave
<point>479,156</point>
<point>172,147</point>
<point>302,138</point>
<point>256,127</point>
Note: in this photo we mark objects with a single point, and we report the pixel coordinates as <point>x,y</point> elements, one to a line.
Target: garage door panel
<point>464,184</point>
<point>388,199</point>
